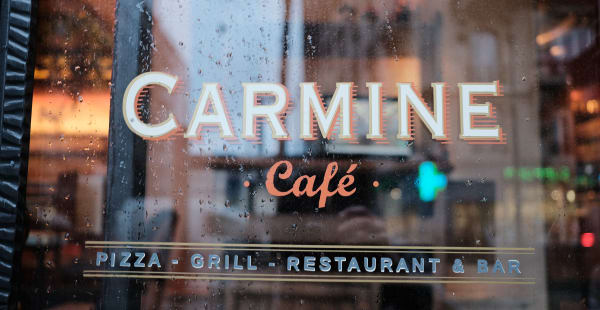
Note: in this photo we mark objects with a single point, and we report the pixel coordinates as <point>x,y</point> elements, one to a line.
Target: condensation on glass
<point>539,190</point>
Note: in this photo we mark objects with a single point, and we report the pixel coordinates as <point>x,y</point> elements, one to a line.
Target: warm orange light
<point>556,32</point>
<point>558,51</point>
<point>41,74</point>
<point>592,106</point>
<point>575,95</point>
<point>56,113</point>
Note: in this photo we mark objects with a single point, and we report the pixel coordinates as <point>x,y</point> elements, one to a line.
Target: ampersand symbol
<point>457,267</point>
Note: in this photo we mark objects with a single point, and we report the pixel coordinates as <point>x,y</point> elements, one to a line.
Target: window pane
<point>323,154</point>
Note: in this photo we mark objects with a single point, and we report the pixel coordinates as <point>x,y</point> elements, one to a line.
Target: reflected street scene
<point>303,154</point>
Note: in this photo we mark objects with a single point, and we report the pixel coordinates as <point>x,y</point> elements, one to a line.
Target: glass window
<point>314,154</point>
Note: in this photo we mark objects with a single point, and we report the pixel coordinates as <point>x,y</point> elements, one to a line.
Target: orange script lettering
<point>305,185</point>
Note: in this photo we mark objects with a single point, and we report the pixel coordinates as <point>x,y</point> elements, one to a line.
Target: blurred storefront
<point>94,186</point>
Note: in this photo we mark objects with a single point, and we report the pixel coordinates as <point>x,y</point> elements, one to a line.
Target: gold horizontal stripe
<point>305,250</point>
<point>319,280</point>
<point>305,246</point>
<point>295,275</point>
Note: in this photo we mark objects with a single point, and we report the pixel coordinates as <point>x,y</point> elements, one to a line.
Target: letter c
<point>270,183</point>
<point>148,131</point>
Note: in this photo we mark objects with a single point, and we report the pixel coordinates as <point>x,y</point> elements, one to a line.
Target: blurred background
<point>538,190</point>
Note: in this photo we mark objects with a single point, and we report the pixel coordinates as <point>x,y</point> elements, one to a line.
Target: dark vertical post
<point>17,57</point>
<point>126,177</point>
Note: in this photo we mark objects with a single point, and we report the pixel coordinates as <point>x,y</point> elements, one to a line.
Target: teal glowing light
<point>430,181</point>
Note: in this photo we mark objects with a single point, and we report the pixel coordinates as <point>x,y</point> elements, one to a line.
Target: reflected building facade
<point>538,190</point>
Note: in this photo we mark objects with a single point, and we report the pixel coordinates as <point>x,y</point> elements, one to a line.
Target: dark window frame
<point>17,28</point>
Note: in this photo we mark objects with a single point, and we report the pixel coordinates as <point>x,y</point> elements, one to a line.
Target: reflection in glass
<point>539,190</point>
